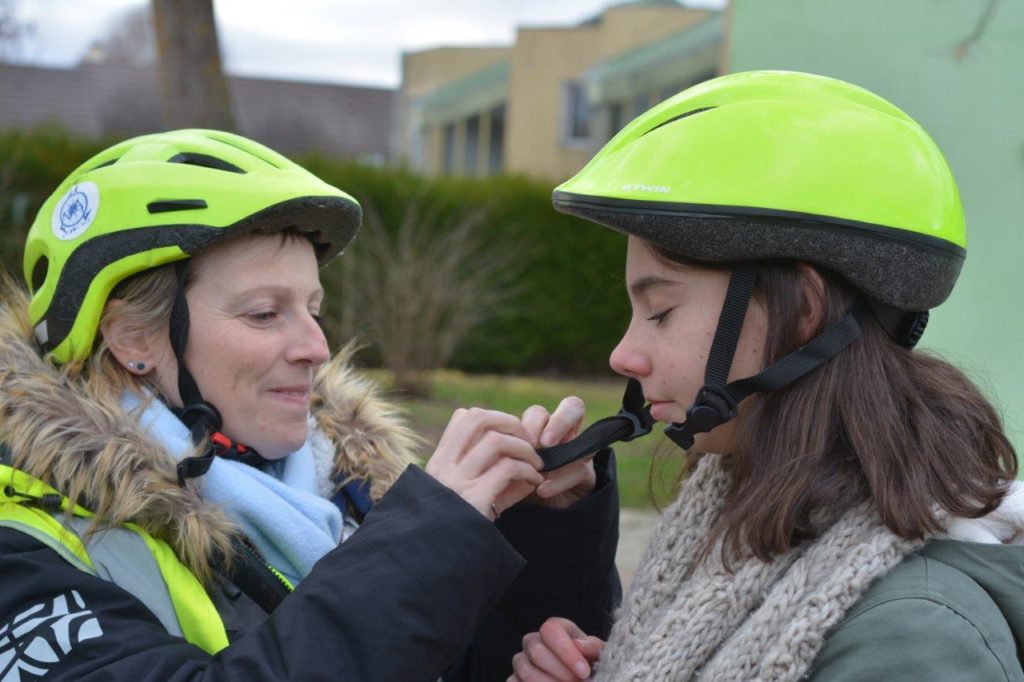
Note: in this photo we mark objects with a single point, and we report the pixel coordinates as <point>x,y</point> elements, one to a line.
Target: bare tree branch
<point>962,50</point>
<point>129,40</point>
<point>12,30</point>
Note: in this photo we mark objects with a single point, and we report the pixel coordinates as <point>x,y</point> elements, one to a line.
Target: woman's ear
<point>133,349</point>
<point>812,301</point>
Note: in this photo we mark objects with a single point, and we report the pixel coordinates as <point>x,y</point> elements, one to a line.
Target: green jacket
<point>953,611</point>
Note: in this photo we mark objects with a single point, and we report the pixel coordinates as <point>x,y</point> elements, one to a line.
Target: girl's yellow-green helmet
<point>783,165</point>
<point>774,164</point>
<point>161,198</point>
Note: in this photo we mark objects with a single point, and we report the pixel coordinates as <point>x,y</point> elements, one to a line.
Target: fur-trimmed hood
<point>92,451</point>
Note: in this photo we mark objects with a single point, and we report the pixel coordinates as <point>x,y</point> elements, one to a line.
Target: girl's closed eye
<point>660,317</point>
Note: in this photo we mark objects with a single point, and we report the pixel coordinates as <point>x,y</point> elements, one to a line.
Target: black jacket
<point>426,581</point>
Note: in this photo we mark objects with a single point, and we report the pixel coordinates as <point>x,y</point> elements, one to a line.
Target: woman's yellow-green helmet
<point>774,164</point>
<point>156,199</point>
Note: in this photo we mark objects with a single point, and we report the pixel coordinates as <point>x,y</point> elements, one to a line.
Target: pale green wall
<point>973,107</point>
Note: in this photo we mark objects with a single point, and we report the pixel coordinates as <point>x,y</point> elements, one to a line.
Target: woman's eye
<point>264,316</point>
<point>660,317</point>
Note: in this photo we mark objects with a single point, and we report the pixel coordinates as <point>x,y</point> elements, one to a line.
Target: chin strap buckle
<point>642,423</point>
<point>712,407</point>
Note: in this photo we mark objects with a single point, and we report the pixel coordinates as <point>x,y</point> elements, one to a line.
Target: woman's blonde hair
<point>143,306</point>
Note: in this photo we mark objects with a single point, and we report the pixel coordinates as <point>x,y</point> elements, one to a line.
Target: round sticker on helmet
<point>75,211</point>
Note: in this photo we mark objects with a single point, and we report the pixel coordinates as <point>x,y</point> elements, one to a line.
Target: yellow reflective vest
<point>190,610</point>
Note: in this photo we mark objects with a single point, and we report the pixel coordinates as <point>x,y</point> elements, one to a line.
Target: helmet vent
<point>205,161</point>
<point>676,118</point>
<point>39,271</point>
<point>175,205</point>
<point>105,164</point>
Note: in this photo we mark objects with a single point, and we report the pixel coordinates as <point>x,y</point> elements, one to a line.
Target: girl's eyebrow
<point>640,286</point>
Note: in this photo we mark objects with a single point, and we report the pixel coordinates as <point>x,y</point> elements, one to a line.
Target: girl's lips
<point>660,410</point>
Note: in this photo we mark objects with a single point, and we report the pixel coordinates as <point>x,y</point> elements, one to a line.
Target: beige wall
<point>542,62</point>
<point>626,27</point>
<point>545,59</point>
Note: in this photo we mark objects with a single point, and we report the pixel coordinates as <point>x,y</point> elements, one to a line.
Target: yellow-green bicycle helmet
<point>772,164</point>
<point>156,199</point>
<point>782,165</point>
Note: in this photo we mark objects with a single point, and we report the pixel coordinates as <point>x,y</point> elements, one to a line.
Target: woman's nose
<point>309,344</point>
<point>627,360</point>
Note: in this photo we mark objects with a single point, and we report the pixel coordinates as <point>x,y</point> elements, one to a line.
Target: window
<point>496,151</point>
<point>615,119</point>
<point>471,150</point>
<point>577,113</point>
<point>448,149</point>
<point>671,90</point>
<point>640,104</point>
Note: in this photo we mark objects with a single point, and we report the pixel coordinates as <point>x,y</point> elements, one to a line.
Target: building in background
<point>543,106</point>
<point>120,100</point>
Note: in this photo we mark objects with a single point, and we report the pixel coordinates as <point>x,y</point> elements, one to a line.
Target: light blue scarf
<point>279,510</point>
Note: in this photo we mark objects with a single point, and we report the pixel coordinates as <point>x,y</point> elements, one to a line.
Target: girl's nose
<point>628,361</point>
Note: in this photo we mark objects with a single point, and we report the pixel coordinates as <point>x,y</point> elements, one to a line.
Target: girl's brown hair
<point>900,428</point>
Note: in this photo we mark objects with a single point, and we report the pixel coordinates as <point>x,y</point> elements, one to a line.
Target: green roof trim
<point>677,59</point>
<point>473,94</point>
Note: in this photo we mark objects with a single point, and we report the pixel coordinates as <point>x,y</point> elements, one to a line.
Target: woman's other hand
<point>570,483</point>
<point>487,458</point>
<point>559,651</point>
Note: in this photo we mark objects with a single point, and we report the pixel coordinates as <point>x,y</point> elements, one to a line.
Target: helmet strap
<point>632,421</point>
<point>717,401</point>
<point>201,417</point>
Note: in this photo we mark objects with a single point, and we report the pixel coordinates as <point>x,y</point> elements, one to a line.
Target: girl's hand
<point>570,483</point>
<point>487,459</point>
<point>559,651</point>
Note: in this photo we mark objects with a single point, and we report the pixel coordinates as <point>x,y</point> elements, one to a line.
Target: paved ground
<point>635,528</point>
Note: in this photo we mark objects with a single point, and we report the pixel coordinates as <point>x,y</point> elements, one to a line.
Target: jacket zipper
<point>254,550</point>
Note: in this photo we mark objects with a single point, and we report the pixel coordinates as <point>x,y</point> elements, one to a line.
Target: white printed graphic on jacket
<point>42,634</point>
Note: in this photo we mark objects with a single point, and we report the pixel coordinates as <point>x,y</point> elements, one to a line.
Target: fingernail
<point>547,439</point>
<point>582,670</point>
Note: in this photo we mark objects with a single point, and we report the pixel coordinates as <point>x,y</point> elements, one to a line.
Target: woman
<point>193,489</point>
<point>787,234</point>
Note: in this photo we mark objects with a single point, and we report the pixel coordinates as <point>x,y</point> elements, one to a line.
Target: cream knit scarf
<point>763,621</point>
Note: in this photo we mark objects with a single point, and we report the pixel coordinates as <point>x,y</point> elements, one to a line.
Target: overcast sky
<point>324,40</point>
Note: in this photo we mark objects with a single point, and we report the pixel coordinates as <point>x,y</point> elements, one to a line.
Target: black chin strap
<point>199,416</point>
<point>632,421</point>
<point>717,401</point>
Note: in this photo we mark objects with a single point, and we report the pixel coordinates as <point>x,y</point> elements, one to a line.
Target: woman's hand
<point>487,459</point>
<point>559,651</point>
<point>570,483</point>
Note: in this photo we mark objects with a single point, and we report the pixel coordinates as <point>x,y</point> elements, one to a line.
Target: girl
<point>787,235</point>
